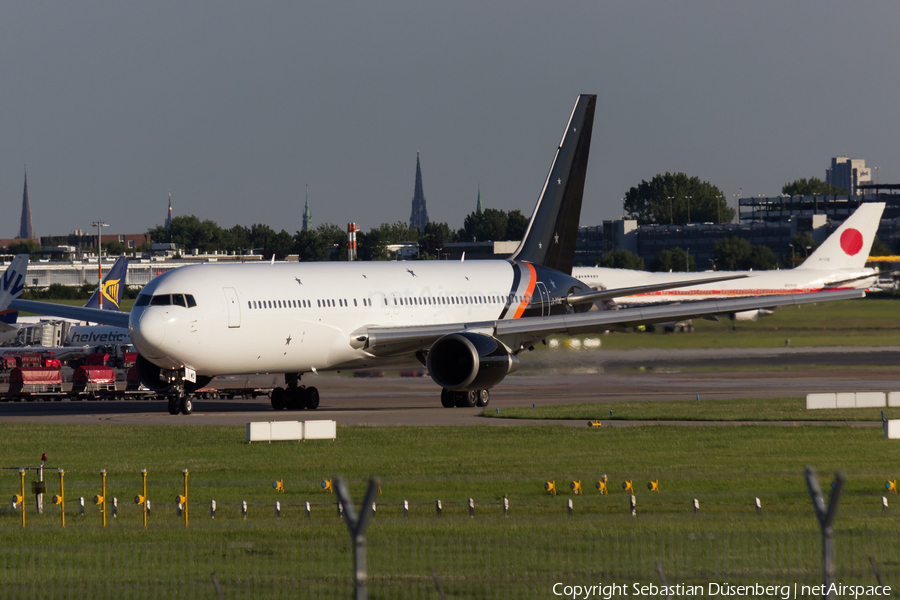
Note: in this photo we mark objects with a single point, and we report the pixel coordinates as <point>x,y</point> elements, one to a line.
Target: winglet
<point>553,229</point>
<point>12,283</point>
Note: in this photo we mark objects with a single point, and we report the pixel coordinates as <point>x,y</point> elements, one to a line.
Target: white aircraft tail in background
<point>848,247</point>
<point>839,263</point>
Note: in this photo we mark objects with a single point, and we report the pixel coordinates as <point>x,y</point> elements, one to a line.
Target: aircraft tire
<point>186,405</point>
<point>447,400</point>
<point>279,399</point>
<point>483,398</point>
<point>312,398</point>
<point>173,406</point>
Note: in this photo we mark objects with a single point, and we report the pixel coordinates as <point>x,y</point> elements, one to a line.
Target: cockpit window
<point>178,300</point>
<point>161,300</point>
<point>190,301</point>
<point>143,300</point>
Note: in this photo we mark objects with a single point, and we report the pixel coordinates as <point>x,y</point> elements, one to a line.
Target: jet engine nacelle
<point>469,361</point>
<point>751,315</point>
<point>152,377</point>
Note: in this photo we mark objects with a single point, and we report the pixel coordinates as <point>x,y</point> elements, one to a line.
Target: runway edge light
<point>550,486</point>
<point>576,487</point>
<point>601,485</point>
<point>653,486</point>
<point>891,485</point>
<point>279,486</point>
<point>626,485</point>
<point>326,486</point>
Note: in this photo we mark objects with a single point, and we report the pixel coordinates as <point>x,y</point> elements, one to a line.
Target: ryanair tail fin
<point>551,234</point>
<point>848,247</point>
<point>112,287</point>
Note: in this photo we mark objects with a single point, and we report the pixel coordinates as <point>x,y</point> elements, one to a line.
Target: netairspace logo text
<point>785,592</point>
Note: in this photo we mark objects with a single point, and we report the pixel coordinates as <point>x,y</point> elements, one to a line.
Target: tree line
<point>329,242</point>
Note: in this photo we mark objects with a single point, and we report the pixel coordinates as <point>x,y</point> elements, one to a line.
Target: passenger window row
<point>320,303</point>
<point>443,300</point>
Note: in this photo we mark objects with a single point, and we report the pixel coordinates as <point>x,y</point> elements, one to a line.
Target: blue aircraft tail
<point>112,287</point>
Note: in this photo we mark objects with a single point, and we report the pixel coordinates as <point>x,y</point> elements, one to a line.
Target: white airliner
<point>466,321</point>
<point>839,263</point>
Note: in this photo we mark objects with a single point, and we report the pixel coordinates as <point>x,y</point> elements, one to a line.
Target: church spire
<point>168,223</point>
<point>307,215</point>
<point>480,208</point>
<point>419,217</point>
<point>26,229</point>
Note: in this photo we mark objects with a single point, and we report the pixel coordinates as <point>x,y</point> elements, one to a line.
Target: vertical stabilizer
<point>848,247</point>
<point>112,287</point>
<point>12,282</point>
<point>553,229</point>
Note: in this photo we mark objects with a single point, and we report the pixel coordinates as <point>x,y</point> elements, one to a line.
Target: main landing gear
<point>294,396</point>
<point>471,399</point>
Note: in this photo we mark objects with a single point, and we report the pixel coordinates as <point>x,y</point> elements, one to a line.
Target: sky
<point>237,107</point>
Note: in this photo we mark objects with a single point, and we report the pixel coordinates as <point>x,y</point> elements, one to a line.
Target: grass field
<point>724,467</point>
<point>489,556</point>
<point>745,409</point>
<point>867,322</point>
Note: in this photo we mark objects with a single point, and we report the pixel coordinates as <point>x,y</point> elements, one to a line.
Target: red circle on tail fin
<point>851,241</point>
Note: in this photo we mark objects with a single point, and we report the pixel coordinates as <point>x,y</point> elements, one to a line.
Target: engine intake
<point>469,361</point>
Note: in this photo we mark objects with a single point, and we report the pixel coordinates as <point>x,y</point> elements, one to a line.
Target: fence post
<point>696,506</point>
<point>244,508</point>
<point>438,507</point>
<point>570,507</point>
<point>357,525</point>
<point>505,506</point>
<point>277,508</point>
<point>758,507</point>
<point>633,506</point>
<point>406,508</point>
<point>471,508</point>
<point>212,509</point>
<point>306,508</point>
<point>826,514</point>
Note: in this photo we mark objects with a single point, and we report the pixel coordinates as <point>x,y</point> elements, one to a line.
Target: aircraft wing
<point>644,289</point>
<point>519,333</point>
<point>94,315</point>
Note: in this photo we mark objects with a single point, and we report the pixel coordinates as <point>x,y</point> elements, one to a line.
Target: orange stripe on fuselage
<point>532,280</point>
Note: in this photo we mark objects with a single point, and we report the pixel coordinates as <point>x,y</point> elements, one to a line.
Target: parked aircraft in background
<point>79,335</point>
<point>839,263</point>
<point>466,321</point>
<point>12,284</point>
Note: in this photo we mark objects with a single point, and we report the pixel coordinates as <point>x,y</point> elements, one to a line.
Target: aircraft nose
<point>150,332</point>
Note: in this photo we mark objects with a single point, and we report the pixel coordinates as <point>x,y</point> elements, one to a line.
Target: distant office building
<point>419,217</point>
<point>848,173</point>
<point>168,223</point>
<point>307,214</point>
<point>26,229</point>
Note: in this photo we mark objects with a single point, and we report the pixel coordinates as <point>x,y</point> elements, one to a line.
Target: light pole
<point>98,224</point>
<point>671,217</point>
<point>688,198</point>
<point>792,255</point>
